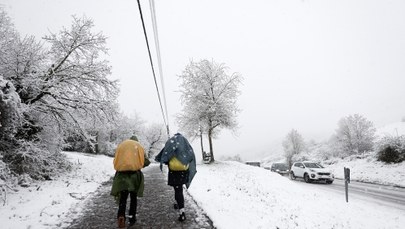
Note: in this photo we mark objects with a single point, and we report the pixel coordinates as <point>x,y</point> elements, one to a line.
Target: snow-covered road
<point>358,191</point>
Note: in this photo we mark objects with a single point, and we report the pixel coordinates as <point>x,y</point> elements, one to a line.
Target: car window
<point>312,165</point>
<point>283,166</point>
<point>280,166</point>
<point>298,164</point>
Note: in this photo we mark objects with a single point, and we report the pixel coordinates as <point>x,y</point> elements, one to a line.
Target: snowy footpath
<point>231,194</point>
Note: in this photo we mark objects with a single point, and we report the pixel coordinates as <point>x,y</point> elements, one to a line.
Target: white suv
<point>311,171</point>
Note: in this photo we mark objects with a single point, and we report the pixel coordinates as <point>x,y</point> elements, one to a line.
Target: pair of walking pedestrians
<point>130,158</point>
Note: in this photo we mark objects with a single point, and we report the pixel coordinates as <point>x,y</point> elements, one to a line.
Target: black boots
<point>182,217</point>
<point>121,222</point>
<point>132,220</point>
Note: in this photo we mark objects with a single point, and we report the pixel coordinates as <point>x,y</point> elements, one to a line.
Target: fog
<point>306,64</point>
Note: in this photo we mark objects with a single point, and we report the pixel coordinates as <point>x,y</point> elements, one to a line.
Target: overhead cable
<point>151,63</point>
<point>159,59</point>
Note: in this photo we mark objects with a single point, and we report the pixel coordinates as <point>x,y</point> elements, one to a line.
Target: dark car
<point>281,168</point>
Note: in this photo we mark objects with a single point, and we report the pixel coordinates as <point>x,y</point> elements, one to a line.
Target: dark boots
<point>182,217</point>
<point>132,221</point>
<point>121,222</point>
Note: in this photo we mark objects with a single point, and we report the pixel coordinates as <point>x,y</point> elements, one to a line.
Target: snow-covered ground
<point>370,170</point>
<point>233,195</point>
<point>46,204</point>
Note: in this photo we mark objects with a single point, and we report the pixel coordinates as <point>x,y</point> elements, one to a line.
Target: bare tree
<point>293,144</point>
<point>355,135</point>
<point>209,97</point>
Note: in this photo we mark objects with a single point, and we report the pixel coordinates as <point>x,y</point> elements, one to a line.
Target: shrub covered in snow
<point>35,161</point>
<point>4,170</point>
<point>391,149</point>
<point>10,112</point>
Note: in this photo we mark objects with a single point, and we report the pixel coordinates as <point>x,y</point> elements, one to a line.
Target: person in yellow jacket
<point>129,159</point>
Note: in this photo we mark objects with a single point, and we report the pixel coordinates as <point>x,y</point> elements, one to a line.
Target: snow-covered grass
<point>47,204</point>
<point>370,170</point>
<point>234,195</point>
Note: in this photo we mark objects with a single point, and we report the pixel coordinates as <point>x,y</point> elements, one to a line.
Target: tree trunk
<point>210,142</point>
<point>202,145</point>
<point>97,148</point>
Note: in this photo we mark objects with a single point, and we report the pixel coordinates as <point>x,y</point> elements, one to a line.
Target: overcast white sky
<point>305,63</point>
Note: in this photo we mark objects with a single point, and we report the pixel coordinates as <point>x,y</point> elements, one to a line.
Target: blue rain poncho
<point>178,146</point>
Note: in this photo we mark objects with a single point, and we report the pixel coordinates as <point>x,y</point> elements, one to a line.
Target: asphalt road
<point>384,195</point>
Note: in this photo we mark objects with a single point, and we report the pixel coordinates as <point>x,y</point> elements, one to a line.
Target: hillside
<point>365,168</point>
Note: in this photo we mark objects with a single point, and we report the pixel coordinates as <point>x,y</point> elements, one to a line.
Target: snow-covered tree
<point>126,126</point>
<point>10,114</point>
<point>58,89</point>
<point>209,95</point>
<point>8,37</point>
<point>153,138</point>
<point>293,144</point>
<point>355,135</point>
<point>65,83</point>
<point>76,80</point>
<point>192,126</point>
<point>319,151</point>
<point>10,109</point>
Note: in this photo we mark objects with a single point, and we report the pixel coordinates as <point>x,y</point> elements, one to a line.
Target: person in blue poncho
<point>179,156</point>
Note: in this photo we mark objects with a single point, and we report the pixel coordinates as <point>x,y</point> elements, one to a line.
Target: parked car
<point>281,168</point>
<point>311,171</point>
<point>253,163</point>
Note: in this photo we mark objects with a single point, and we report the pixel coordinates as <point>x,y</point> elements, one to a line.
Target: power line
<point>151,64</point>
<point>155,31</point>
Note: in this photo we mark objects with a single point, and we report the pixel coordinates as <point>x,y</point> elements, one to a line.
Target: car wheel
<point>292,176</point>
<point>306,178</point>
<point>329,181</point>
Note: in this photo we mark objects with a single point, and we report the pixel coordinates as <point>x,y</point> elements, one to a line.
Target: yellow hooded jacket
<point>129,156</point>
